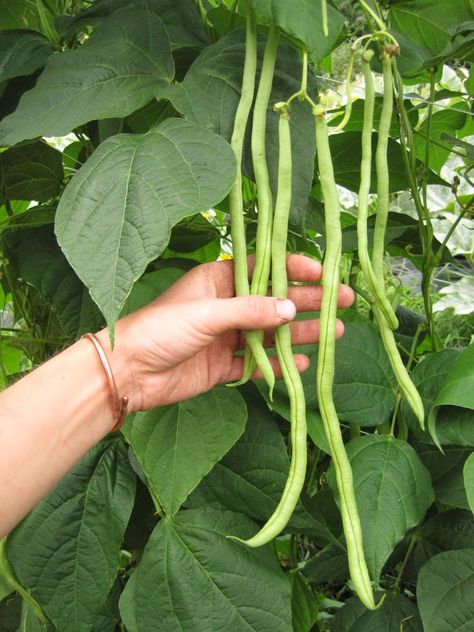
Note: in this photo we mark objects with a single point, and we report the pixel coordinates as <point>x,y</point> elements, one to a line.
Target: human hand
<point>184,342</point>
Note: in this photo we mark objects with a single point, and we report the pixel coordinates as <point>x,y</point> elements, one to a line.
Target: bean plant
<point>139,138</point>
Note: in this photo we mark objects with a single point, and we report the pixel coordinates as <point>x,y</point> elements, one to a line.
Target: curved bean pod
<point>297,471</point>
<point>325,372</point>
<point>261,272</point>
<point>407,387</point>
<point>239,243</point>
<point>377,290</point>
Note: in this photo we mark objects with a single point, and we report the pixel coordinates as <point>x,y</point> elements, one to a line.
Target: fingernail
<point>286,309</point>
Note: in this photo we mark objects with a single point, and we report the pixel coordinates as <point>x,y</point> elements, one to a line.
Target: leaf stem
<point>413,540</point>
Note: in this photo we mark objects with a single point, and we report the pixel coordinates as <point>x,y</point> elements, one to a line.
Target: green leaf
<point>30,622</point>
<point>449,530</point>
<point>387,474</point>
<point>194,579</point>
<point>346,151</point>
<point>116,214</point>
<point>302,21</point>
<point>364,385</point>
<point>304,606</point>
<point>21,53</point>
<point>329,565</point>
<point>458,389</point>
<point>209,95</point>
<point>469,480</point>
<point>445,122</point>
<point>181,18</point>
<point>445,591</point>
<point>252,475</point>
<point>428,27</point>
<point>19,14</point>
<point>149,287</point>
<point>193,233</point>
<point>356,120</point>
<point>447,473</point>
<point>41,263</point>
<point>397,614</point>
<point>114,73</point>
<point>454,425</point>
<point>178,445</point>
<point>67,550</point>
<point>109,616</point>
<point>30,172</point>
<point>10,613</point>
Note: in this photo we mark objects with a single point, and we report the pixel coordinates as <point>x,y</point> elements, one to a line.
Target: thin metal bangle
<point>119,404</point>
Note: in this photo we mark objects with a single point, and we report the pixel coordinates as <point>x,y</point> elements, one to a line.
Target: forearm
<point>48,420</point>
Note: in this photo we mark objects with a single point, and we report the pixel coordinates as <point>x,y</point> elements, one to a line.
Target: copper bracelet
<point>119,404</point>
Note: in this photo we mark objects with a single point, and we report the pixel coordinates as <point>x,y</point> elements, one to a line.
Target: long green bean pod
<point>325,371</point>
<point>377,289</point>
<point>237,226</point>
<point>381,165</point>
<point>297,471</point>
<point>261,272</point>
<point>239,243</point>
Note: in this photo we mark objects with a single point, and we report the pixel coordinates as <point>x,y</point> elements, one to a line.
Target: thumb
<point>249,312</point>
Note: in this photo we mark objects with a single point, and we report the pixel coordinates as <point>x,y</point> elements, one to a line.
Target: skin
<point>178,346</point>
<point>325,371</point>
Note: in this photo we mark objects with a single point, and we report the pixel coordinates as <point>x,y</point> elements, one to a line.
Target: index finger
<point>302,268</point>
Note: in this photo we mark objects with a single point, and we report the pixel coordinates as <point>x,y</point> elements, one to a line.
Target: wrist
<point>120,359</point>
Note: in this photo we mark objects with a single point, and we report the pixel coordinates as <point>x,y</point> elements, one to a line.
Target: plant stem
<point>413,540</point>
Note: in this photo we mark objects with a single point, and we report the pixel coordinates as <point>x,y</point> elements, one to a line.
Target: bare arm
<point>180,345</point>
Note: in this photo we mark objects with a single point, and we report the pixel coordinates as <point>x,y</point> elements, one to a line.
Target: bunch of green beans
<point>271,247</point>
<point>291,376</point>
<point>255,350</point>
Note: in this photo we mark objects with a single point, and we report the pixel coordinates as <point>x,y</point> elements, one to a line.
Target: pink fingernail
<point>286,309</point>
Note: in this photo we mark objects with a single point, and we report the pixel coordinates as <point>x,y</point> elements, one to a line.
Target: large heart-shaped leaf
<point>387,474</point>
<point>397,614</point>
<point>446,471</point>
<point>194,579</point>
<point>178,445</point>
<point>445,591</point>
<point>302,21</point>
<point>209,95</point>
<point>458,390</point>
<point>181,18</point>
<point>114,73</point>
<point>449,530</point>
<point>116,214</point>
<point>454,424</point>
<point>364,384</point>
<point>346,151</point>
<point>67,550</point>
<point>40,262</point>
<point>19,14</point>
<point>21,53</point>
<point>426,29</point>
<point>445,122</point>
<point>30,172</point>
<point>252,475</point>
